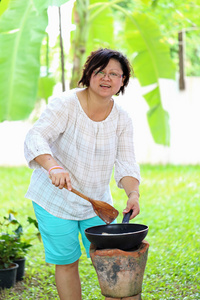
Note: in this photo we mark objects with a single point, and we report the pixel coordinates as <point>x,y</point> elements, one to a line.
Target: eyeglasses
<point>111,75</point>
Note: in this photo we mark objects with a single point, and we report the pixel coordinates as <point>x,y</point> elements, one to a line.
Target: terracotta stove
<point>120,273</point>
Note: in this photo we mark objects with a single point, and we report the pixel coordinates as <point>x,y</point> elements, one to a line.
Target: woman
<point>77,141</point>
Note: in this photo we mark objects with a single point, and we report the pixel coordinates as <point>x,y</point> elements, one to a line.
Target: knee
<point>67,268</point>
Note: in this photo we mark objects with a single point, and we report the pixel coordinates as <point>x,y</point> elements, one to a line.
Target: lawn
<point>170,206</point>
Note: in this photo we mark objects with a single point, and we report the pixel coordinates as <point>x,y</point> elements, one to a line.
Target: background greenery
<point>145,30</point>
<point>170,206</point>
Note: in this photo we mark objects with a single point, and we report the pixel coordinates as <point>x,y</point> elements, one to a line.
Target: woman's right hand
<point>60,178</point>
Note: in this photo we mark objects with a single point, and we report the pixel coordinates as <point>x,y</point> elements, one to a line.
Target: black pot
<point>8,276</point>
<point>21,269</point>
<point>122,236</point>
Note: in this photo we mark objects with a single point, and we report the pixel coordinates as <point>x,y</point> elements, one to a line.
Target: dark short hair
<point>98,60</point>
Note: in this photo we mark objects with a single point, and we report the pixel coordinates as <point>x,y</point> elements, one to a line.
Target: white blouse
<point>88,150</point>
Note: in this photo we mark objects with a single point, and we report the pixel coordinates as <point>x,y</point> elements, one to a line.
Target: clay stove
<point>120,273</point>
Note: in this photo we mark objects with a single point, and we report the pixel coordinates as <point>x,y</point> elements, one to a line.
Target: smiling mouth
<point>104,85</point>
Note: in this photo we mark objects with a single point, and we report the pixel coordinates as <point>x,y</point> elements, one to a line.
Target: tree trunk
<point>81,13</point>
<point>181,60</point>
<point>61,52</point>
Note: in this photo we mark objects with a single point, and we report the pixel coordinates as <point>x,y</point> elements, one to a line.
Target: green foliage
<point>12,244</point>
<point>158,118</point>
<point>143,37</point>
<point>101,25</point>
<point>35,223</point>
<point>43,5</point>
<point>95,20</point>
<point>151,62</point>
<point>45,87</point>
<point>79,39</point>
<point>22,29</point>
<point>6,250</point>
<point>180,16</point>
<point>21,35</point>
<point>3,6</point>
<point>23,26</point>
<point>192,53</point>
<point>169,206</point>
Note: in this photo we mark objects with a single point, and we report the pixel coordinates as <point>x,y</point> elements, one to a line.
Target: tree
<point>180,25</point>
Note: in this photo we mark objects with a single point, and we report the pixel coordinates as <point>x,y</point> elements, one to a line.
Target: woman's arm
<point>46,161</point>
<point>131,187</point>
<point>59,176</point>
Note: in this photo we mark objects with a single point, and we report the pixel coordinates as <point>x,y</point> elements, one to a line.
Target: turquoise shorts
<point>61,237</point>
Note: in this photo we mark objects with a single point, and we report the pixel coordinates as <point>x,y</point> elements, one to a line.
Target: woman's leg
<point>68,281</point>
<point>62,248</point>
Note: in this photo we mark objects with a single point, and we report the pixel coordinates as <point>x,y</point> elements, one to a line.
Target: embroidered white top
<point>88,150</point>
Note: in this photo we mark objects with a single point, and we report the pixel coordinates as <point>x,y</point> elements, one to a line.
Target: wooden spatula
<point>104,210</point>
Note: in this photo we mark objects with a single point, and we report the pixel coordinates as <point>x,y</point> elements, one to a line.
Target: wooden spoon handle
<point>80,195</point>
<point>104,210</point>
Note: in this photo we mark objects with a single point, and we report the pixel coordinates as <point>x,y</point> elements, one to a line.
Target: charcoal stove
<point>120,273</point>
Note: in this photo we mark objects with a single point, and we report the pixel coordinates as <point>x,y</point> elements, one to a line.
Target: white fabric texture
<point>88,150</point>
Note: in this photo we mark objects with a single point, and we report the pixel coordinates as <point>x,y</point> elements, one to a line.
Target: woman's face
<point>107,82</point>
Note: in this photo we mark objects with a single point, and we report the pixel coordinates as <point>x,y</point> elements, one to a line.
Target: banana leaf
<point>151,62</point>
<point>3,6</point>
<point>44,4</point>
<point>45,87</point>
<point>101,29</point>
<point>22,29</point>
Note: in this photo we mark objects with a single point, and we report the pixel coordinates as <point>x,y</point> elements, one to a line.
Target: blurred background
<point>44,46</point>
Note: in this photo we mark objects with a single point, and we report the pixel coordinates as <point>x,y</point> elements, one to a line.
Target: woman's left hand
<point>132,203</point>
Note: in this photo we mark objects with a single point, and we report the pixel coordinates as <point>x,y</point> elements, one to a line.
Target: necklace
<point>106,112</point>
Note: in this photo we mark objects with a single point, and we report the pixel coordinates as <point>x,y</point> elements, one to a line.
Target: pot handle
<point>127,217</point>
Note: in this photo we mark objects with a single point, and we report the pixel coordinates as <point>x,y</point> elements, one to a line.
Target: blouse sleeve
<point>125,164</point>
<point>45,131</point>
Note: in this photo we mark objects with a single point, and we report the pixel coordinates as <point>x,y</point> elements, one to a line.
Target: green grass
<point>170,206</point>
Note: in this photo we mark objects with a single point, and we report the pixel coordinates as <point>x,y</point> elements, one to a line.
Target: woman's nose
<point>106,76</point>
